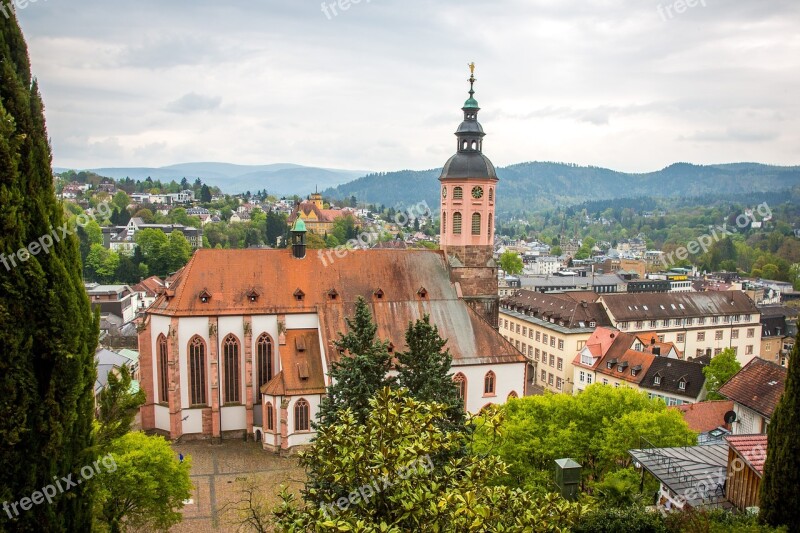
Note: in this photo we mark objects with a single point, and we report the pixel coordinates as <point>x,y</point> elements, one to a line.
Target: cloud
<point>193,102</point>
<point>381,84</point>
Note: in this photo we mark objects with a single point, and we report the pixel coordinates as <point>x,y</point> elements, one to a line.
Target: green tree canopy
<point>723,366</point>
<point>379,476</point>
<point>147,488</point>
<point>596,428</point>
<point>511,262</point>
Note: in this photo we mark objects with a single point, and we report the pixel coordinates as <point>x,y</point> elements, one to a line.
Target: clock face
<point>444,192</point>
<point>477,192</point>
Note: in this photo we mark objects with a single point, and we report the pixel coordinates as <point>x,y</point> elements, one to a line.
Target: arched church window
<point>197,371</point>
<point>458,193</point>
<point>456,223</point>
<point>230,351</point>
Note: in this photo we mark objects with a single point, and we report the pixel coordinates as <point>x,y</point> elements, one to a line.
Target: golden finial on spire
<point>472,68</point>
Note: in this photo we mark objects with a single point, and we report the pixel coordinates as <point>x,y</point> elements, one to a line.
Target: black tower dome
<point>469,161</point>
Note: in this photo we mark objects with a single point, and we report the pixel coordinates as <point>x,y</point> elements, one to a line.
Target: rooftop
<point>703,417</point>
<point>652,306</point>
<point>751,448</point>
<point>757,386</point>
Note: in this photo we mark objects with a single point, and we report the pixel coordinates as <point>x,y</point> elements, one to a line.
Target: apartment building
<point>548,329</point>
<point>641,362</point>
<point>697,323</point>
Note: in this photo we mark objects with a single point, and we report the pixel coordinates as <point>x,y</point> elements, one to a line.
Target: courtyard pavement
<point>218,474</point>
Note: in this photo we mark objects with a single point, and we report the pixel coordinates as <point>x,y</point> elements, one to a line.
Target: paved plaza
<point>218,474</point>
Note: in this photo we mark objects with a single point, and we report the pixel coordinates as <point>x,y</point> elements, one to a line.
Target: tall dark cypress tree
<point>47,330</point>
<point>780,499</point>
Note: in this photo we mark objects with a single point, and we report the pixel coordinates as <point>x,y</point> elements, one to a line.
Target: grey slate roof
<point>671,372</point>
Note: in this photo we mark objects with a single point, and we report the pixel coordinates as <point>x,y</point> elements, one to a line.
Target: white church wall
<point>233,417</point>
<point>508,377</point>
<point>162,417</point>
<point>193,422</point>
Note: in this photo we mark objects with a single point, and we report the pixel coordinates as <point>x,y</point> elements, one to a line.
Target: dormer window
<point>682,384</point>
<point>611,364</point>
<point>422,293</point>
<point>205,296</point>
<point>299,295</point>
<point>390,348</point>
<point>378,294</point>
<point>333,294</point>
<point>252,296</point>
<point>657,379</point>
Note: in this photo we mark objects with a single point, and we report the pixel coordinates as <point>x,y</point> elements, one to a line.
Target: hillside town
<point>537,346</point>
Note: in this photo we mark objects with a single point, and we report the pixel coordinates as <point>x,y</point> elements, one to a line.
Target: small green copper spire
<point>471,102</point>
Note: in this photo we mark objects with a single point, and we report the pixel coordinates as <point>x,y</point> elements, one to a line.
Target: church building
<point>241,343</point>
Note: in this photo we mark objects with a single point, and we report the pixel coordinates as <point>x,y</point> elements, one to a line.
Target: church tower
<point>468,194</point>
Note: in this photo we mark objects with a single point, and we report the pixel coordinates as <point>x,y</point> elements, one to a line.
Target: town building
<point>122,239</point>
<point>778,333</point>
<point>639,361</point>
<point>148,289</point>
<point>118,300</point>
<point>241,342</point>
<point>317,219</point>
<point>548,329</point>
<point>755,391</point>
<point>575,279</point>
<point>698,323</point>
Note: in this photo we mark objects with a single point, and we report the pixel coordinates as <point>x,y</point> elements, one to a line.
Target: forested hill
<point>538,185</point>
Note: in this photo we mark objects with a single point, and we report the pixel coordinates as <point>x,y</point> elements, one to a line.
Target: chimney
<point>656,350</point>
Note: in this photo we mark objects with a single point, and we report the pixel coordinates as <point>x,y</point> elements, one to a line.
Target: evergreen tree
<point>47,330</point>
<point>424,369</point>
<point>117,406</point>
<point>361,370</point>
<point>780,500</point>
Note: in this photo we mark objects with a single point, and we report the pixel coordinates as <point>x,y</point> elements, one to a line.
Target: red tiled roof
<point>757,386</point>
<point>751,448</point>
<point>150,285</point>
<point>633,358</point>
<point>228,276</point>
<point>705,416</point>
<point>302,366</point>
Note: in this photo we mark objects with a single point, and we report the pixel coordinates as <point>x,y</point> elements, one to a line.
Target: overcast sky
<point>632,85</point>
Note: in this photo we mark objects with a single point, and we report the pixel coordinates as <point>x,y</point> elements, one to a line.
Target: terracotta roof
<point>757,386</point>
<point>628,360</point>
<point>653,306</point>
<point>672,371</point>
<point>228,276</point>
<point>702,417</point>
<point>151,285</point>
<point>599,343</point>
<point>301,365</point>
<point>751,448</point>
